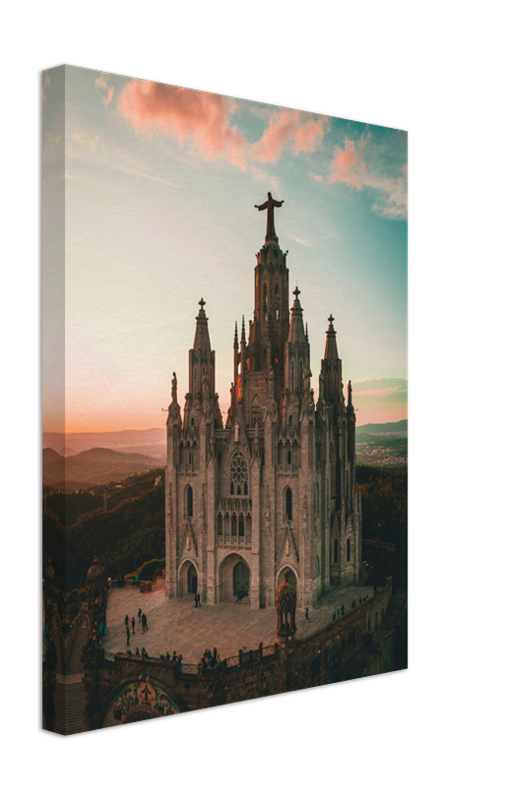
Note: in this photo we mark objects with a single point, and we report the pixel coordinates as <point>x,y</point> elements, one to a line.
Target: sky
<point>160,184</point>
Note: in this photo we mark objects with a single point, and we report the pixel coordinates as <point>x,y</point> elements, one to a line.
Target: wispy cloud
<point>91,142</point>
<point>292,131</point>
<point>101,83</point>
<point>201,118</point>
<point>381,387</point>
<point>364,166</point>
<point>204,121</point>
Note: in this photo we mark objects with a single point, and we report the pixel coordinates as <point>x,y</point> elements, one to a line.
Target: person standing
<point>198,598</point>
<point>306,614</point>
<point>139,616</point>
<point>128,635</point>
<point>132,625</point>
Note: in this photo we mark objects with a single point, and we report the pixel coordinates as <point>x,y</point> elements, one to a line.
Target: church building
<point>273,491</point>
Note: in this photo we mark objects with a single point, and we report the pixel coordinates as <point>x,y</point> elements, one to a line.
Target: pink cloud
<point>287,131</point>
<point>348,164</point>
<point>186,115</point>
<point>91,142</point>
<point>359,165</point>
<point>101,83</point>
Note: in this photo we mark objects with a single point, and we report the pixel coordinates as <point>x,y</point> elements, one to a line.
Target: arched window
<point>290,421</point>
<point>189,501</point>
<point>234,524</point>
<point>288,503</point>
<point>336,551</point>
<point>265,300</point>
<point>256,410</point>
<point>289,457</point>
<point>317,566</point>
<point>220,525</point>
<point>277,291</point>
<point>241,526</point>
<point>192,420</point>
<point>238,474</point>
<point>348,549</point>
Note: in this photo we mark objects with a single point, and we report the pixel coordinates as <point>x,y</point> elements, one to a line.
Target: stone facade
<point>273,490</point>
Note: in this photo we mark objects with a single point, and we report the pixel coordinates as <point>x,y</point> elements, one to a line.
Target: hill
<point>151,442</point>
<point>96,466</point>
<point>124,537</point>
<point>381,429</point>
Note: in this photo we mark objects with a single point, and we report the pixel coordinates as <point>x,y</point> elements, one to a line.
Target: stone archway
<point>234,577</point>
<point>138,700</point>
<point>188,579</point>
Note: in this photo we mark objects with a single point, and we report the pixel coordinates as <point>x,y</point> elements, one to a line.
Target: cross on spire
<point>331,319</point>
<point>201,303</point>
<point>296,292</point>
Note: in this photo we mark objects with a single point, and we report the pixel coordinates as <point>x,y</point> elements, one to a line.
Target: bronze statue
<point>174,388</point>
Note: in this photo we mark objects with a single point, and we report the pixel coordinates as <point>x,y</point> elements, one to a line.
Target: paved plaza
<point>229,626</point>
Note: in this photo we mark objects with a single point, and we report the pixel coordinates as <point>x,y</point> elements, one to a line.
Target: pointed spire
<point>331,348</point>
<point>236,338</point>
<point>349,393</point>
<point>296,332</point>
<point>201,337</point>
<point>243,333</point>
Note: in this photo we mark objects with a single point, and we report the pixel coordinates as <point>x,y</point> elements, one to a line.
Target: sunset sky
<point>160,187</point>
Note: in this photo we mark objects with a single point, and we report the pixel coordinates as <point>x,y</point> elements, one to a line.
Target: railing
<point>195,669</point>
<point>251,656</point>
<point>189,669</point>
<point>236,540</point>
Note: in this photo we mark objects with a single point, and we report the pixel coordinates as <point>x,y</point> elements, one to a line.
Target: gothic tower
<point>273,492</point>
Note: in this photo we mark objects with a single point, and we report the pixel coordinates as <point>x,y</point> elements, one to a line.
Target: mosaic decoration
<point>136,701</point>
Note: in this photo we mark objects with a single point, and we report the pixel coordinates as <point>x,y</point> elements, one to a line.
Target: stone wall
<point>319,659</point>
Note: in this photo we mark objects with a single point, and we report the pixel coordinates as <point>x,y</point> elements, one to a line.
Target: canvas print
<point>224,400</point>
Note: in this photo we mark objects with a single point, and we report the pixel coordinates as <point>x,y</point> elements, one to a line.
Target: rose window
<point>238,475</point>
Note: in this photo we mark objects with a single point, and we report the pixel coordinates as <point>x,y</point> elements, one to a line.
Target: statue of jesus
<point>269,204</point>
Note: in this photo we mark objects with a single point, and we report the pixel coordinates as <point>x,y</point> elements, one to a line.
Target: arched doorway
<point>241,579</point>
<point>192,580</point>
<point>234,577</point>
<point>187,579</point>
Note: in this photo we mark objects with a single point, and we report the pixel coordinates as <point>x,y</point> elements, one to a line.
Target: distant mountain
<point>384,428</point>
<point>151,442</point>
<point>92,467</point>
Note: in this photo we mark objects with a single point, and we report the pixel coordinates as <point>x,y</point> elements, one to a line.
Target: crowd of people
<point>209,659</point>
